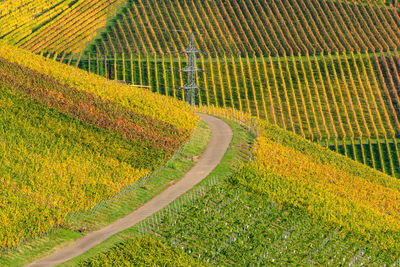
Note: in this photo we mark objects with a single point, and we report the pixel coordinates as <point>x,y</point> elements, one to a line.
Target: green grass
<point>78,227</point>
<point>237,153</point>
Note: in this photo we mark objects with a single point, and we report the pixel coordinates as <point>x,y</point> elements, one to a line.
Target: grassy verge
<point>46,245</point>
<point>237,153</point>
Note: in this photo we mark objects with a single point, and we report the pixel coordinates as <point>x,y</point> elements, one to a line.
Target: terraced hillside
<point>70,140</point>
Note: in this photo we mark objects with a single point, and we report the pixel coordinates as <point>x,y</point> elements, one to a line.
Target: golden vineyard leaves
<point>331,195</point>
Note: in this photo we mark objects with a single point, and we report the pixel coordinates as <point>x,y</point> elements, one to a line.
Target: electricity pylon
<point>191,70</point>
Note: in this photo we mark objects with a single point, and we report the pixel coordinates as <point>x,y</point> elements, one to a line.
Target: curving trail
<point>216,148</point>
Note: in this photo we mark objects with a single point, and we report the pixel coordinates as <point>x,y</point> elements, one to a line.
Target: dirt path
<point>216,148</point>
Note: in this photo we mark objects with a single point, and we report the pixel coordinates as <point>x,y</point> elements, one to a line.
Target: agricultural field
<point>246,27</point>
<point>293,203</point>
<point>333,99</point>
<point>146,252</point>
<point>92,106</point>
<point>53,25</point>
<point>65,149</point>
<point>325,70</point>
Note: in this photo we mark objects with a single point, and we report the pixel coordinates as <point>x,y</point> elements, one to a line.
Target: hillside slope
<point>244,27</point>
<point>293,203</point>
<point>54,25</point>
<point>70,139</point>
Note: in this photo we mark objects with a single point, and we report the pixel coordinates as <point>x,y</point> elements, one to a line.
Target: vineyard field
<point>144,251</point>
<point>65,150</point>
<point>101,103</point>
<point>261,28</point>
<point>325,70</point>
<point>303,81</point>
<point>330,99</point>
<point>54,25</point>
<point>262,213</point>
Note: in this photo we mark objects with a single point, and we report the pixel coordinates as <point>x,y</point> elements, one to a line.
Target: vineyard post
<point>261,86</point>
<point>105,65</point>
<point>180,76</point>
<point>205,80</point>
<point>353,148</point>
<point>97,61</point>
<point>396,149</point>
<point>70,59</point>
<point>253,89</point>
<point>236,83</point>
<point>62,57</point>
<point>79,60</point>
<point>198,82</point>
<point>221,82</point>
<point>392,171</point>
<point>228,78</point>
<point>213,80</point>
<point>244,85</point>
<point>364,161</point>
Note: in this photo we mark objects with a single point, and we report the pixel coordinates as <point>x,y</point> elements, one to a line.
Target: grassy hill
<point>66,147</point>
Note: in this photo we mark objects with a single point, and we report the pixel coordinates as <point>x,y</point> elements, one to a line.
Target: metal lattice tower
<point>191,70</point>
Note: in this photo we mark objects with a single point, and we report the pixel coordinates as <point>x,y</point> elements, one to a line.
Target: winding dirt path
<point>216,148</point>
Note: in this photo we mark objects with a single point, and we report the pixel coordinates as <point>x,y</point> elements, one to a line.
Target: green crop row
<point>248,27</point>
<point>230,225</point>
<point>145,251</point>
<point>330,98</point>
